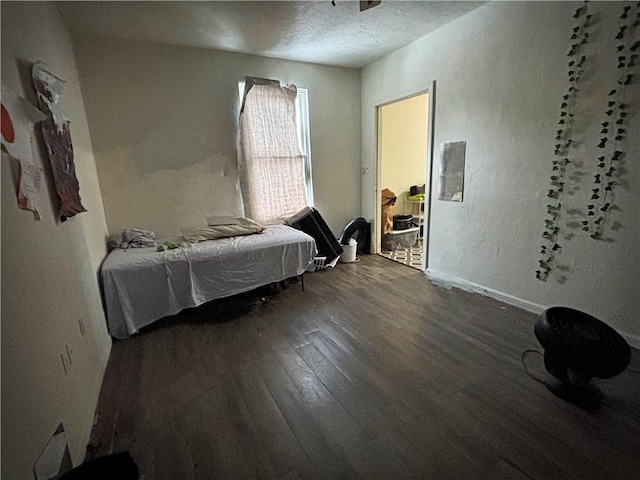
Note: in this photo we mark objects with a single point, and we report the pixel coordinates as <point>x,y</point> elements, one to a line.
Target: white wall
<point>49,269</point>
<point>163,121</point>
<point>500,74</point>
<point>403,148</point>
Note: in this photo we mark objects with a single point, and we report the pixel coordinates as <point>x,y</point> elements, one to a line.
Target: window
<point>304,139</point>
<point>265,97</point>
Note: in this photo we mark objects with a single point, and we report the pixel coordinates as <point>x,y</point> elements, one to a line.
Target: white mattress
<point>142,285</point>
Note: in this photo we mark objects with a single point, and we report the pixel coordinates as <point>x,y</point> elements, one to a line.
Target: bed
<point>142,285</point>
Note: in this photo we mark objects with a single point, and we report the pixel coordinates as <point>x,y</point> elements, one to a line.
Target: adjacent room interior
<point>403,134</point>
<point>514,173</point>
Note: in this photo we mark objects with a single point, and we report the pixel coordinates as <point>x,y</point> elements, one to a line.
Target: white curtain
<point>272,171</point>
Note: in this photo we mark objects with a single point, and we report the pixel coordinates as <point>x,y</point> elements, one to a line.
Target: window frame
<point>303,133</point>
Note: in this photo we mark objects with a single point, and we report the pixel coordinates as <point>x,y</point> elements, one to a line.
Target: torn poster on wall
<point>18,118</point>
<point>452,161</point>
<point>57,137</point>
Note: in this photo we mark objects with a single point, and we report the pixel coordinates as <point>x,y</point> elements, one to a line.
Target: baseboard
<point>449,281</point>
<point>79,455</point>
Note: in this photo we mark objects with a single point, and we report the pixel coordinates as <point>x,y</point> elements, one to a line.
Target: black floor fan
<point>577,348</point>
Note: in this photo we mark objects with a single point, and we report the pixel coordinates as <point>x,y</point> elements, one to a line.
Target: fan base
<point>587,397</point>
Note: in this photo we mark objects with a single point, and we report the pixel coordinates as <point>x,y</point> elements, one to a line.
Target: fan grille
<point>586,332</point>
<point>587,344</point>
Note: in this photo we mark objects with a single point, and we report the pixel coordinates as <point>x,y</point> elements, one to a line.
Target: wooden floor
<point>371,372</point>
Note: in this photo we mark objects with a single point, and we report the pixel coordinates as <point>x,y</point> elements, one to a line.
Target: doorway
<point>403,171</point>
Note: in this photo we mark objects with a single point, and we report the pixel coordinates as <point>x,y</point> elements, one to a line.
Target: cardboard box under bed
<point>142,285</point>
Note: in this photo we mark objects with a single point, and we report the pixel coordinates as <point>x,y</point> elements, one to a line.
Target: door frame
<point>426,232</point>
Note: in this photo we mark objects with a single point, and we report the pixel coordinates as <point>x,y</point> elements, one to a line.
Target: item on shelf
<point>416,190</point>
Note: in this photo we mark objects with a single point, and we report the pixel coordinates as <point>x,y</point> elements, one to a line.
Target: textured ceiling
<point>315,32</point>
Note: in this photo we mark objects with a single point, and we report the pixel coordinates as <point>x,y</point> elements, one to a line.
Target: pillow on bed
<point>245,226</point>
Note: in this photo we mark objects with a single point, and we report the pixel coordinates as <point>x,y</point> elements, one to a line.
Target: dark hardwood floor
<point>371,372</point>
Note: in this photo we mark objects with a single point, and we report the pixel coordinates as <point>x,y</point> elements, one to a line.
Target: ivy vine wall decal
<point>551,235</point>
<point>613,130</point>
<point>614,126</point>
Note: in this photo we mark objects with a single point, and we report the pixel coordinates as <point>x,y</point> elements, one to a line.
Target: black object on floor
<point>364,245</point>
<point>110,467</point>
<point>311,222</point>
<point>354,227</point>
<point>578,347</point>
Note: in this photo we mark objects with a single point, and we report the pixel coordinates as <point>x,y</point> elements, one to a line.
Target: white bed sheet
<point>142,285</point>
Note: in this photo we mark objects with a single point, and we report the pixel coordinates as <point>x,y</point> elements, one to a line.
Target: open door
<point>404,164</point>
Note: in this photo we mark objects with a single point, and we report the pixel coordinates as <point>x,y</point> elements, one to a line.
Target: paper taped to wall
<point>452,161</point>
